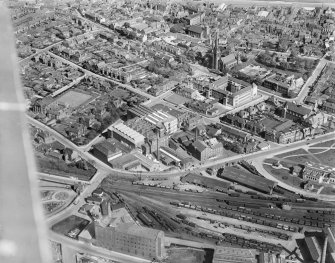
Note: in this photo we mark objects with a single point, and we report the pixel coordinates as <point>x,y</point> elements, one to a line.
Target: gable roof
<point>301,110</point>
<point>228,59</point>
<point>195,29</point>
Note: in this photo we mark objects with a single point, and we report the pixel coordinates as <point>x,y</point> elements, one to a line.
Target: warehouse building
<point>169,122</point>
<point>158,118</point>
<point>232,92</point>
<point>106,151</point>
<point>249,180</point>
<point>124,134</point>
<point>131,239</point>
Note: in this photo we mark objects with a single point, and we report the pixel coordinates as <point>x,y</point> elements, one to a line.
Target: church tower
<point>216,53</point>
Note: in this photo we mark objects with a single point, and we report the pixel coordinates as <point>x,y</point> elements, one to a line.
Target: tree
<point>282,45</point>
<point>126,25</point>
<point>285,65</point>
<point>237,148</point>
<point>132,35</point>
<point>309,64</point>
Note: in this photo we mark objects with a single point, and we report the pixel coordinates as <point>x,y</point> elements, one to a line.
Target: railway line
<point>262,214</point>
<point>181,224</point>
<point>210,197</point>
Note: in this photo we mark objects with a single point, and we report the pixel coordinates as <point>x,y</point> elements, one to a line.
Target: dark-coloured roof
<point>313,247</point>
<point>105,147</point>
<point>199,145</point>
<point>238,81</point>
<point>195,29</point>
<point>301,110</point>
<point>94,199</point>
<point>140,110</point>
<point>235,132</point>
<point>329,105</point>
<point>248,179</point>
<point>208,182</point>
<point>283,126</point>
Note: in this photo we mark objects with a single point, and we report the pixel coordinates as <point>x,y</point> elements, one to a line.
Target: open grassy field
<point>302,159</point>
<point>295,152</point>
<point>284,176</point>
<point>176,99</point>
<point>74,98</point>
<point>328,157</point>
<point>316,151</point>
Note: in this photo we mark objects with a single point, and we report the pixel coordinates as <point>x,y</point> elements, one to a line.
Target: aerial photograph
<point>167,131</point>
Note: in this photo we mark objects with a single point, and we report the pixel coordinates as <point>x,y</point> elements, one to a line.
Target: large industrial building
<point>131,239</point>
<point>204,150</point>
<point>232,92</point>
<point>125,134</point>
<point>157,118</point>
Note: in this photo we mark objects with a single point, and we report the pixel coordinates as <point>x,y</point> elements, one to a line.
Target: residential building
<point>281,84</point>
<point>195,31</point>
<point>328,107</point>
<point>195,19</point>
<point>234,134</point>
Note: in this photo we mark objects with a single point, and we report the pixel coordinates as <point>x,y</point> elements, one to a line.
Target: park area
<point>55,200</point>
<point>288,167</point>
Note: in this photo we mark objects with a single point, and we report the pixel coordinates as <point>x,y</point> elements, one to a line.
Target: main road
<point>90,73</point>
<point>305,88</point>
<point>103,167</point>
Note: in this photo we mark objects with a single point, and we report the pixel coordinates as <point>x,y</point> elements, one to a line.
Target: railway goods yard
<point>224,213</point>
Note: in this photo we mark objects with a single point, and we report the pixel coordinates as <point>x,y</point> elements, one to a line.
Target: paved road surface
<point>101,165</point>
<point>305,88</point>
<point>38,51</point>
<point>87,72</point>
<point>258,163</point>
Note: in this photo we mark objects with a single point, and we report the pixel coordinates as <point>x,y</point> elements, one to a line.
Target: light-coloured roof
<point>128,132</point>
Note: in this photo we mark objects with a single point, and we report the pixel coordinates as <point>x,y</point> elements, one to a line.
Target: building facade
<point>123,133</point>
<point>131,239</point>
